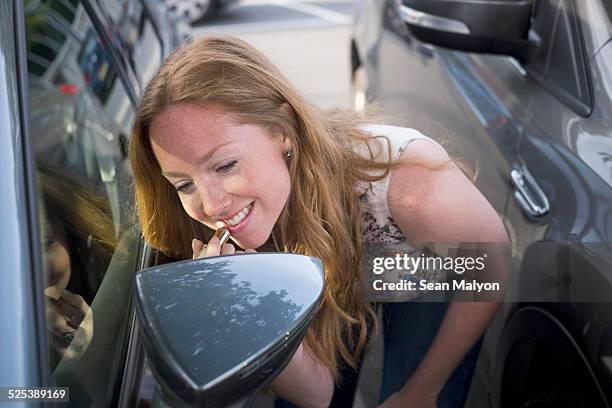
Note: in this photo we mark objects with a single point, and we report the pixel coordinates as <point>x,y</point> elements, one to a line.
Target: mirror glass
<point>209,316</point>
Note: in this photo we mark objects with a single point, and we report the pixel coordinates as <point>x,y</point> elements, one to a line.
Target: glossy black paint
<point>216,329</point>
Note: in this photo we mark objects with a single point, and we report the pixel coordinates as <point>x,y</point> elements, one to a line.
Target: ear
<point>289,113</point>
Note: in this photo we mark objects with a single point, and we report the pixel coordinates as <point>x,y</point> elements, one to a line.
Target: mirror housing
<point>496,27</point>
<point>218,329</point>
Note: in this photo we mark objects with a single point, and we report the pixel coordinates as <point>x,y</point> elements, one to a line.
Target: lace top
<point>381,234</point>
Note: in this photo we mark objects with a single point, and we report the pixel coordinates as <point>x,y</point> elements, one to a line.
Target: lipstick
<point>223,235</point>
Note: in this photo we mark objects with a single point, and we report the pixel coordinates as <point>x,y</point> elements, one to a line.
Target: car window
<point>79,119</point>
<point>136,33</point>
<point>561,64</point>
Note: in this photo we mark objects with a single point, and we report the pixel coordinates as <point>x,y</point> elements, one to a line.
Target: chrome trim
<point>529,194</point>
<point>418,18</point>
<point>514,63</point>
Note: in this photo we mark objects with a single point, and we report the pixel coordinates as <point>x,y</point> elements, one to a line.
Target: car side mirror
<point>216,330</point>
<point>493,27</point>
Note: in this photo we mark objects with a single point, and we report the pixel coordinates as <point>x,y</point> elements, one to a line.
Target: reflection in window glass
<point>80,115</point>
<point>137,33</point>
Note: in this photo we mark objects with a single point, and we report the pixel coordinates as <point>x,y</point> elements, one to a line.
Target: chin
<point>255,241</point>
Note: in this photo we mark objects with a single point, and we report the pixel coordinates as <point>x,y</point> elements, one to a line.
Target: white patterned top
<point>381,234</point>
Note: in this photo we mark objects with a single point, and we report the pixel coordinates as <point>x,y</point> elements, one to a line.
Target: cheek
<point>244,184</point>
<point>59,260</point>
<point>273,183</point>
<point>192,206</point>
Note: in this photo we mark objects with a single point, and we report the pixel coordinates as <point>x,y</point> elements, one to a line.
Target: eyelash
<point>227,167</point>
<point>183,187</point>
<point>223,169</point>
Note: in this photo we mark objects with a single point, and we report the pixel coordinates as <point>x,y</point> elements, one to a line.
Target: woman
<point>221,139</point>
<point>78,248</point>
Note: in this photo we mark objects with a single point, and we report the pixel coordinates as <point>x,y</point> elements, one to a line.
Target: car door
<point>562,257</point>
<point>79,107</point>
<point>476,104</point>
<point>22,313</point>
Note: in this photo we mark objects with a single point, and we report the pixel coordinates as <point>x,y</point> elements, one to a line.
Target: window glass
<point>137,36</point>
<point>80,117</point>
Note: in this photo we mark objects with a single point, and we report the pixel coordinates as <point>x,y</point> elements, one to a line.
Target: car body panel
<point>20,316</point>
<point>569,156</point>
<point>596,17</point>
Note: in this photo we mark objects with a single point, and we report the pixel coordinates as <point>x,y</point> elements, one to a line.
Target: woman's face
<point>57,259</point>
<point>226,174</point>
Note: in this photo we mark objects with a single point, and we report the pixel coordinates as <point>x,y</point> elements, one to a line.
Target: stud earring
<point>288,153</point>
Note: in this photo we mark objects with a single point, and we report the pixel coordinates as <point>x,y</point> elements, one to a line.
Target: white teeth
<point>240,216</point>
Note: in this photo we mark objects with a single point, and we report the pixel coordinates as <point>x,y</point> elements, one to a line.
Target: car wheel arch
<point>532,323</point>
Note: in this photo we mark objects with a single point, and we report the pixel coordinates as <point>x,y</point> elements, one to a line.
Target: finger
<point>250,251</point>
<point>78,303</point>
<point>228,249</point>
<point>57,323</point>
<point>196,246</point>
<point>72,298</point>
<point>214,247</point>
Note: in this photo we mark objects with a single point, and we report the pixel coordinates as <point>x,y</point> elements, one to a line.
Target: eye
<point>227,167</point>
<point>183,188</point>
<point>48,243</point>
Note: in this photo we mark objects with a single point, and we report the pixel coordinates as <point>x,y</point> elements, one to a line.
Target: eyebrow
<point>201,160</point>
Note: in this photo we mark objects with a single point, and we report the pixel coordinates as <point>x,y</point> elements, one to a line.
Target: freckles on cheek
<point>239,185</point>
<point>193,208</point>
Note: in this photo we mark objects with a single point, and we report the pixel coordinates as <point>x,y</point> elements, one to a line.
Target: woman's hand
<point>214,248</point>
<point>410,397</point>
<point>70,320</point>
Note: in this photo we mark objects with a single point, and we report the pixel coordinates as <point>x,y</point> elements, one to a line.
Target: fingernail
<point>214,240</point>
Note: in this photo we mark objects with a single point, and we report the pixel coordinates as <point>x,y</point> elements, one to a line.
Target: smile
<point>238,218</point>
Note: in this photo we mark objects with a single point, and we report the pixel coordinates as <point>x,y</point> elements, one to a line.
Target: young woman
<point>221,139</point>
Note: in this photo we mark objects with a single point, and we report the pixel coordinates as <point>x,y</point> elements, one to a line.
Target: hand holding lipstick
<point>216,246</point>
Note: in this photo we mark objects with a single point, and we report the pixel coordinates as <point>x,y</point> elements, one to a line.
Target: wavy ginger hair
<point>321,217</point>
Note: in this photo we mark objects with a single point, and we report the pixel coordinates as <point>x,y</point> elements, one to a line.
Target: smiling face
<point>225,173</point>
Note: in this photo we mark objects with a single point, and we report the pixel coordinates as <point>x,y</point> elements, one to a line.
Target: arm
<point>305,381</point>
<point>443,206</point>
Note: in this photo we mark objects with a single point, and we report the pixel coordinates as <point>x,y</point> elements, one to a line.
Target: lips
<point>239,217</point>
<point>242,218</point>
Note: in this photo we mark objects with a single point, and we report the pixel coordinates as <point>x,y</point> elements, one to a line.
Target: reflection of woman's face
<point>225,173</point>
<point>57,263</point>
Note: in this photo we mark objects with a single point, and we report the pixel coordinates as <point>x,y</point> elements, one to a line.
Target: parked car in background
<point>521,90</point>
<point>197,11</point>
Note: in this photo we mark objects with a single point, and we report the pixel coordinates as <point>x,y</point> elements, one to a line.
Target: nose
<point>215,201</point>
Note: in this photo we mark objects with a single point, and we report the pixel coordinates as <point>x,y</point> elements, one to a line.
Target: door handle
<point>528,193</point>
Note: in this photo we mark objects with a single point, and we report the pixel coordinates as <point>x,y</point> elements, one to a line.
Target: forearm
<point>305,381</point>
<point>462,326</point>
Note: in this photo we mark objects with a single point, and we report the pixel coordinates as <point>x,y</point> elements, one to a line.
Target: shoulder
<point>420,182</point>
<point>396,134</point>
<point>433,201</point>
<point>399,137</point>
